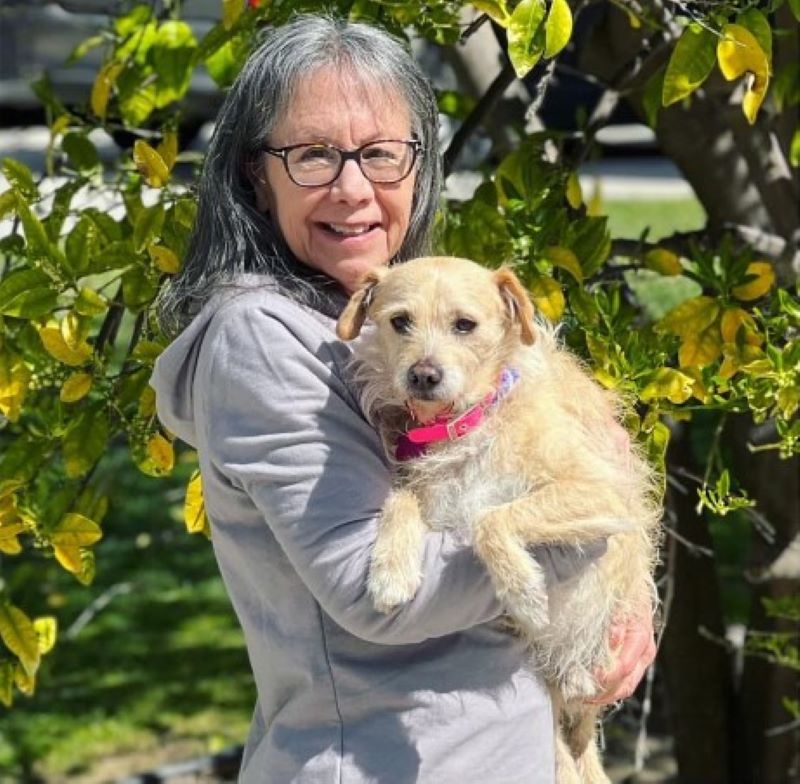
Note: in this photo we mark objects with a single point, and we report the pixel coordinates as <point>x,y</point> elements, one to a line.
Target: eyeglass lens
<point>319,164</point>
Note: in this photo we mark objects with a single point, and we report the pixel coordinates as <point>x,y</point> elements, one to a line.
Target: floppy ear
<point>517,302</point>
<point>355,312</point>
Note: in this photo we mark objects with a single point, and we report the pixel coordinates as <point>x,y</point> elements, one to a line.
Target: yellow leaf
<point>72,330</point>
<point>150,164</point>
<point>75,530</point>
<point>164,259</point>
<point>10,545</point>
<point>663,261</point>
<point>735,318</point>
<point>75,388</point>
<point>147,402</point>
<point>161,452</point>
<point>548,298</point>
<point>670,384</point>
<point>699,389</point>
<point>574,193</point>
<point>496,9</point>
<point>54,344</point>
<point>700,348</point>
<point>565,258</point>
<point>90,303</point>
<point>19,636</point>
<point>46,629</point>
<point>690,317</point>
<point>739,53</point>
<point>14,380</point>
<point>6,682</point>
<point>557,28</point>
<point>101,89</point>
<point>788,401</point>
<point>194,510</point>
<point>605,378</point>
<point>231,11</point>
<point>763,279</point>
<point>738,357</point>
<point>24,681</point>
<point>69,558</point>
<point>525,36</point>
<point>168,146</point>
<point>594,207</point>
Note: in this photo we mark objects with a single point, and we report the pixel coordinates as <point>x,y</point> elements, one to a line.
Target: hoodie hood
<point>174,370</point>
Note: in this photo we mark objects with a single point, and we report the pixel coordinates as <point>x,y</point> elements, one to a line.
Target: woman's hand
<point>636,648</point>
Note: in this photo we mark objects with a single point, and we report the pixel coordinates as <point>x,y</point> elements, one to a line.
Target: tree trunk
<point>774,758</point>
<point>697,670</point>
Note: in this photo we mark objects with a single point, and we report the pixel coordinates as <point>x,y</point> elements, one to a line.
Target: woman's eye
<point>401,324</point>
<point>464,325</point>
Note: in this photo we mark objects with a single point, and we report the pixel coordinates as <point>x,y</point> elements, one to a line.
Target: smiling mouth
<point>351,230</point>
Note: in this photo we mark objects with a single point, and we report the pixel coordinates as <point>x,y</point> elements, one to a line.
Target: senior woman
<point>324,165</point>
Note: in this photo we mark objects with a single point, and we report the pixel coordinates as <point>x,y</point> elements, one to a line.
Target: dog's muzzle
<point>423,378</point>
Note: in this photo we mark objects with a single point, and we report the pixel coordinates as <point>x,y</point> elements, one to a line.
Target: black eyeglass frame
<point>344,156</point>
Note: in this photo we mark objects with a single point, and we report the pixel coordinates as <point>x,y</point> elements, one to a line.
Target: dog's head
<point>445,328</point>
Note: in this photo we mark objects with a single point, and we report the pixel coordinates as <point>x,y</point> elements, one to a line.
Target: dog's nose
<point>424,376</point>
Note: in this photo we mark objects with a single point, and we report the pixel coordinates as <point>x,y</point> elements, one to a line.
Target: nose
<point>351,186</point>
<point>424,376</point>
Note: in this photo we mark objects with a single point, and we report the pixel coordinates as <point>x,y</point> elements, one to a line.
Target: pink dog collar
<point>414,442</point>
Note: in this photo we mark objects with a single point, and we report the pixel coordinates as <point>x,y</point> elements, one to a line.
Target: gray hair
<point>231,236</point>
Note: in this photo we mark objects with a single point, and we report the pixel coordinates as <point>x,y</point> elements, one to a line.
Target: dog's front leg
<point>518,580</point>
<point>395,569</point>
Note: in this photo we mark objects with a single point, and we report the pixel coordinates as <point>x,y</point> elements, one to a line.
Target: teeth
<point>349,231</point>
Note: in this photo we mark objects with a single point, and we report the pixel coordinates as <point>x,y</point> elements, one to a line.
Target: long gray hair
<point>231,236</point>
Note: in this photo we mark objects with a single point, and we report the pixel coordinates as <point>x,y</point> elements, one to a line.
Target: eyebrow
<point>311,134</point>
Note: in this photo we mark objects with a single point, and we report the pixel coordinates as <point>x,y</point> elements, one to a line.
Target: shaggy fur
<point>548,465</point>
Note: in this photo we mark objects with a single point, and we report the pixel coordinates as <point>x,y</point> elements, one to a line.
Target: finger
<point>623,689</point>
<point>634,647</point>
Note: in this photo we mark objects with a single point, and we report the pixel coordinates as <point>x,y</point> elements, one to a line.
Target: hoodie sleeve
<point>274,417</point>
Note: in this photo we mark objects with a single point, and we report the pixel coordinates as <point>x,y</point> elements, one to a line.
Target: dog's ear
<point>355,312</point>
<point>517,302</point>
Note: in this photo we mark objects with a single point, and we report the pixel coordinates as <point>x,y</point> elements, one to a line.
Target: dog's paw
<point>529,607</point>
<point>389,588</point>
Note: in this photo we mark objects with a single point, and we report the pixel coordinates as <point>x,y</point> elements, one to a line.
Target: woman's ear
<point>256,173</point>
<point>355,312</point>
<point>517,302</point>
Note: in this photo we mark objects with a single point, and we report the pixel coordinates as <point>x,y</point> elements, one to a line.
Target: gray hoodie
<point>294,479</point>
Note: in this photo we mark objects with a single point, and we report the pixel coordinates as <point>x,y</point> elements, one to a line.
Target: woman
<point>324,165</point>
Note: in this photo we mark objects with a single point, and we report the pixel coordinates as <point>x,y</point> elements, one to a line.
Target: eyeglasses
<point>312,165</point>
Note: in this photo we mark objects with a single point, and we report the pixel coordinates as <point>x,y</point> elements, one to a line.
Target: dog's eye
<point>401,323</point>
<point>465,325</point>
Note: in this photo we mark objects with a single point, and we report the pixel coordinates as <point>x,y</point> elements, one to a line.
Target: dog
<point>501,436</point>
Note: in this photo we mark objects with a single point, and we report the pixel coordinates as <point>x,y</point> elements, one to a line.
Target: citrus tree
<point>710,364</point>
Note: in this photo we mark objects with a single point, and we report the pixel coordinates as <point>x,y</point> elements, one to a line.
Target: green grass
<point>628,219</point>
<point>162,663</point>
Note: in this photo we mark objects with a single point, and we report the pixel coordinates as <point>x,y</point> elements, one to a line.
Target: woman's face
<point>352,225</point>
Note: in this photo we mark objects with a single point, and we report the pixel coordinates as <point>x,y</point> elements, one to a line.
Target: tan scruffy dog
<point>503,437</point>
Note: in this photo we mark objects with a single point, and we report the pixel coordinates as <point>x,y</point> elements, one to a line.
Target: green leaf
<point>27,293</point>
<point>148,226</point>
<point>224,63</point>
<point>75,530</point>
<point>668,383</point>
<point>90,303</point>
<point>651,97</point>
<point>80,245</point>
<point>172,58</point>
<point>8,202</point>
<point>61,206</point>
<point>755,21</point>
<point>37,240</point>
<point>19,636</point>
<point>138,288</point>
<point>557,28</point>
<point>20,177</point>
<point>81,152</point>
<point>86,46</point>
<point>795,6</point>
<point>794,150</point>
<point>691,62</point>
<point>526,35</point>
<point>85,441</point>
<point>591,243</point>
<point>454,104</point>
